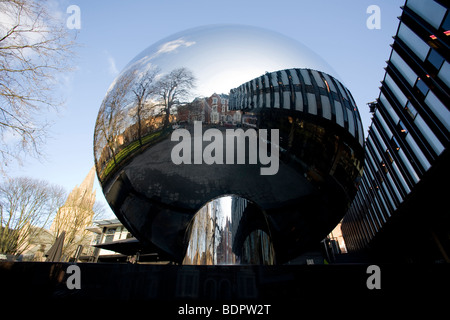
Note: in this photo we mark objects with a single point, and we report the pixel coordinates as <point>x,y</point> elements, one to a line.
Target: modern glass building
<point>401,210</point>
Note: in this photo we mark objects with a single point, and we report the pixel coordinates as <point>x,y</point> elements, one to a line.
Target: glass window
<point>419,154</point>
<point>383,200</point>
<point>351,122</point>
<point>378,210</point>
<point>329,82</point>
<point>388,155</point>
<point>274,79</point>
<point>372,214</point>
<point>401,98</point>
<point>341,90</point>
<point>339,113</point>
<point>276,99</point>
<point>389,197</point>
<point>438,108</point>
<point>326,107</point>
<point>109,235</point>
<point>444,73</point>
<point>410,110</point>
<point>380,141</point>
<point>312,105</point>
<point>369,139</point>
<point>299,99</point>
<point>286,99</point>
<point>284,78</point>
<point>400,177</point>
<point>408,166</point>
<point>413,41</point>
<point>394,144</point>
<point>360,131</point>
<point>446,23</point>
<point>394,187</point>
<point>431,11</point>
<point>305,76</point>
<point>423,88</point>
<point>383,166</point>
<point>429,135</point>
<point>403,67</point>
<point>318,79</point>
<point>371,160</point>
<point>384,125</point>
<point>402,129</point>
<point>294,76</point>
<point>435,59</point>
<point>389,108</point>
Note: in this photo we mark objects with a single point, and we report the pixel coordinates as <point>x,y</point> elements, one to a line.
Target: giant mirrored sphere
<point>228,145</point>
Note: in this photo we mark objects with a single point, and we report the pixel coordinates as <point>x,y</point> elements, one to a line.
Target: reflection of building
<point>214,109</point>
<point>229,230</point>
<point>400,211</point>
<point>197,110</point>
<point>220,110</point>
<point>304,90</point>
<point>238,206</point>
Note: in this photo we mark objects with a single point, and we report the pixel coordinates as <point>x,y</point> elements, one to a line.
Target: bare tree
<point>172,88</point>
<point>26,205</point>
<point>34,48</point>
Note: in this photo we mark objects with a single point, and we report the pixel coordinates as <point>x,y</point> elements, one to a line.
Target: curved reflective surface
<point>191,119</point>
<point>229,230</point>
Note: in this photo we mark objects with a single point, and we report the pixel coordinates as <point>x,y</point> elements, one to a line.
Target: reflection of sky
<point>223,57</point>
<point>225,205</point>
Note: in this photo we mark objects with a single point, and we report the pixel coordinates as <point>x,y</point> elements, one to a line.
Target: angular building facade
<point>400,212</point>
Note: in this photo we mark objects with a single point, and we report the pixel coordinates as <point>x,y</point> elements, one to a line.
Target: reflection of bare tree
<point>173,88</point>
<point>111,117</point>
<point>207,236</point>
<point>142,90</point>
<point>136,112</point>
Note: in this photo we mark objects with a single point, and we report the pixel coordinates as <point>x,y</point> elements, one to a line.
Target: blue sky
<point>113,32</point>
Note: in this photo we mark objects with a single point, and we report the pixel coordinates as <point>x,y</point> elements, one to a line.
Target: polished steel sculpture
<point>229,145</point>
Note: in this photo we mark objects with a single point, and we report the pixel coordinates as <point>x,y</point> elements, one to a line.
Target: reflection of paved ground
<point>154,174</point>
